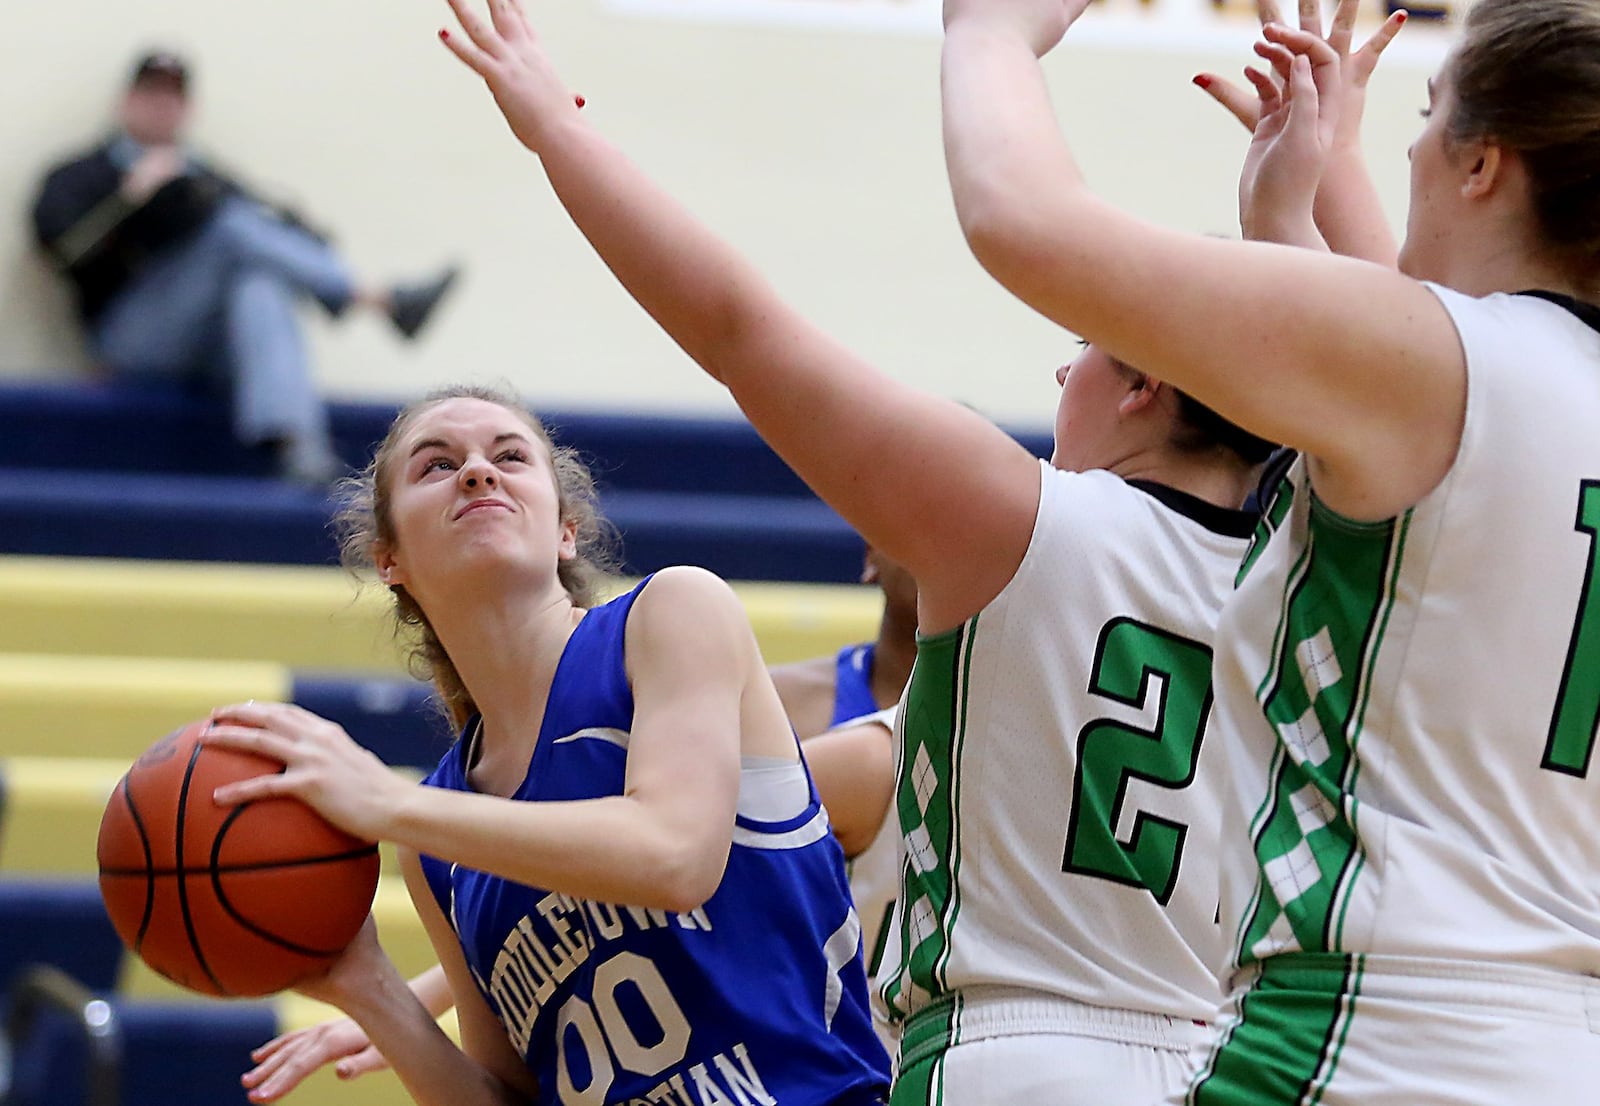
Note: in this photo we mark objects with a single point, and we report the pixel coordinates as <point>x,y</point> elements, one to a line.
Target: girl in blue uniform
<point>622,864</point>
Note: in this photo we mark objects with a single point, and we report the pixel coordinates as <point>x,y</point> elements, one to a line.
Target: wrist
<point>1289,230</point>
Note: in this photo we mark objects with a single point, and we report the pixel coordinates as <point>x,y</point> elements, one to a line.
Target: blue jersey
<point>852,685</point>
<point>756,998</point>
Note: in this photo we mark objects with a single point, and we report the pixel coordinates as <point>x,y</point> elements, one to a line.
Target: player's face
<point>1435,181</point>
<point>1092,387</point>
<point>472,488</point>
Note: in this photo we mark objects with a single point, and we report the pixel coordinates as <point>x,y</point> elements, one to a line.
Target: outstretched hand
<point>1040,22</point>
<point>1355,68</point>
<point>506,53</point>
<point>1292,139</point>
<point>286,1060</point>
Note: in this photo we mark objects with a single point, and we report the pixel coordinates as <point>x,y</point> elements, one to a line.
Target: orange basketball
<point>243,900</point>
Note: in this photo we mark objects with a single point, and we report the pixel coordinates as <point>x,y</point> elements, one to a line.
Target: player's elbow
<point>854,838</point>
<point>686,872</point>
<point>995,234</point>
<point>689,885</point>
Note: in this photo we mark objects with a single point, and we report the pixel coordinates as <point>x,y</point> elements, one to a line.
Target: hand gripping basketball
<point>227,900</point>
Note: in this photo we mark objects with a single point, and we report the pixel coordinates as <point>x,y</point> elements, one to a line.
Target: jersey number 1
<point>1132,662</point>
<point>1577,714</point>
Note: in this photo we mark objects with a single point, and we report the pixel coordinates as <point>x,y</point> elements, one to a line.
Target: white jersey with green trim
<point>1057,791</point>
<point>1411,705</point>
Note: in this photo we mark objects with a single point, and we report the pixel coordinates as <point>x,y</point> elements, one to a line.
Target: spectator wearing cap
<point>182,274</point>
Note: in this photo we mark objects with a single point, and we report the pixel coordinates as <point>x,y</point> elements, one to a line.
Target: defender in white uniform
<point>1410,673</point>
<point>1418,738</point>
<point>1059,795</point>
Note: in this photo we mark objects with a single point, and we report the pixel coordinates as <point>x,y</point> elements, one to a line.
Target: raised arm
<point>1353,364</point>
<point>1348,212</point>
<point>934,485</point>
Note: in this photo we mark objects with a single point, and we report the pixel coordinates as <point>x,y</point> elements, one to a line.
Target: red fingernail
<point>444,34</point>
<point>1402,16</point>
<point>1203,80</point>
<point>579,100</point>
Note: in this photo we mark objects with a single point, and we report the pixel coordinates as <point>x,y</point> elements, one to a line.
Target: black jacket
<point>99,240</point>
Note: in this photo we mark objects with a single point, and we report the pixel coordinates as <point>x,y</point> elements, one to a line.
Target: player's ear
<point>390,573</point>
<point>1142,391</point>
<point>568,549</point>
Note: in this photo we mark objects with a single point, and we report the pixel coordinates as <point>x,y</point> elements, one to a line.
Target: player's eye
<point>512,456</point>
<point>437,464</point>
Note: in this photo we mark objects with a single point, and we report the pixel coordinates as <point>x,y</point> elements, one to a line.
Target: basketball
<point>238,901</point>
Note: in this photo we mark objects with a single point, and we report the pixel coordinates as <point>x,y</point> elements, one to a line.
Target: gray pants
<point>219,308</point>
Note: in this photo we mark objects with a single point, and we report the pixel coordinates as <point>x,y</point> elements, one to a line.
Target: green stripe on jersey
<point>1285,1045</point>
<point>1337,607</point>
<point>924,1040</point>
<point>1277,510</point>
<point>927,796</point>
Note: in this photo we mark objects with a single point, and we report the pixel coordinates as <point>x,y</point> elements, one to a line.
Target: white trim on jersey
<point>798,838</point>
<point>619,738</point>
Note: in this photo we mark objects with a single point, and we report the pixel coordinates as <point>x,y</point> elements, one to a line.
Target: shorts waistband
<point>976,1014</point>
<point>1511,989</point>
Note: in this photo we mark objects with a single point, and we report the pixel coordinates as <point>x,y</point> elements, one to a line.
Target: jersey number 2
<point>1132,663</point>
<point>1577,714</point>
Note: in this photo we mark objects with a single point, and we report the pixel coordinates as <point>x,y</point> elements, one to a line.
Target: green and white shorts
<point>1337,1030</point>
<point>999,1047</point>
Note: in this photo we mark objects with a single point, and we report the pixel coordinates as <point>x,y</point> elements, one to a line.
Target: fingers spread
<point>1242,104</point>
<point>1312,46</point>
<point>506,19</point>
<point>1266,90</point>
<point>1343,25</point>
<point>1384,35</point>
<point>481,34</point>
<point>1311,16</point>
<point>1280,57</point>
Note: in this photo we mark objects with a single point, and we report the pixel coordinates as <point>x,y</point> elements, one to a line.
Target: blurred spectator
<point>182,274</point>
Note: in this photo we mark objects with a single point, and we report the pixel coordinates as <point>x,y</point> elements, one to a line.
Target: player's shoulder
<point>685,583</point>
<point>685,595</point>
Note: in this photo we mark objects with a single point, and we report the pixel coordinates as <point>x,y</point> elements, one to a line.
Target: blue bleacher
<point>76,1046</point>
<point>119,471</point>
<point>395,718</point>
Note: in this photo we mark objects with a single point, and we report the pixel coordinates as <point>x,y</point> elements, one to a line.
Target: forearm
<point>613,849</point>
<point>1350,214</point>
<point>1004,154</point>
<point>433,1069</point>
<point>1287,226</point>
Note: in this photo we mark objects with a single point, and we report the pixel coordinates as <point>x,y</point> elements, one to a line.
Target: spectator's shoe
<point>411,305</point>
<point>308,462</point>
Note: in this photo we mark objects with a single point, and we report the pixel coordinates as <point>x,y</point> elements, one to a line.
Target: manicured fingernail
<point>1402,16</point>
<point>444,35</point>
<point>1203,80</point>
<point>579,100</point>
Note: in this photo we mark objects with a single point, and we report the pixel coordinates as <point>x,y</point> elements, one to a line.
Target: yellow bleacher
<point>302,617</point>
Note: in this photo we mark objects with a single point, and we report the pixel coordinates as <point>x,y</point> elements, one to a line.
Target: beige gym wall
<point>811,143</point>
